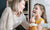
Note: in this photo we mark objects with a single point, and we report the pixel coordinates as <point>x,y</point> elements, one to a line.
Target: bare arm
<point>25,24</point>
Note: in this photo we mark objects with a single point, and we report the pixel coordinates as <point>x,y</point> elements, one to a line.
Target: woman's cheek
<point>21,6</point>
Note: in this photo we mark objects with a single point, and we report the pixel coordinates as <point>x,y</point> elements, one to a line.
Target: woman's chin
<point>20,11</point>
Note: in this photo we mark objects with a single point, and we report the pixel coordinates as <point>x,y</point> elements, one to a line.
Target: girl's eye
<point>36,8</point>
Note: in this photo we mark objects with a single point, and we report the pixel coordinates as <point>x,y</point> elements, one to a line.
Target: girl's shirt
<point>40,22</point>
<point>41,19</point>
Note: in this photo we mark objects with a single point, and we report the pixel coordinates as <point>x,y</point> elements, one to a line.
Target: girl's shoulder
<point>40,20</point>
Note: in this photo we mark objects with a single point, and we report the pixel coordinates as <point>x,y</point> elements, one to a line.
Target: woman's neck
<point>17,13</point>
<point>37,18</point>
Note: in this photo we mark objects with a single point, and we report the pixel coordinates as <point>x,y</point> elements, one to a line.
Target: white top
<point>10,21</point>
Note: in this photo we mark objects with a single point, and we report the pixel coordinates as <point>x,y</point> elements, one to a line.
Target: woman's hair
<point>44,12</point>
<point>13,4</point>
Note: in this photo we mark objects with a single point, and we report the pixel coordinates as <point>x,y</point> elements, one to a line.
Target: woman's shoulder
<point>8,9</point>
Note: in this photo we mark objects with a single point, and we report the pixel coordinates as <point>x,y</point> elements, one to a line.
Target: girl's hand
<point>32,20</point>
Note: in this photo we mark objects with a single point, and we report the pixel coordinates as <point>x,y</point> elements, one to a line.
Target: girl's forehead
<point>36,6</point>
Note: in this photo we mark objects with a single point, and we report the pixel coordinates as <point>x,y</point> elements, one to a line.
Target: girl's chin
<point>34,14</point>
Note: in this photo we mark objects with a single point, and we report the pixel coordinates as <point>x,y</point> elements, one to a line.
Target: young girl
<point>40,16</point>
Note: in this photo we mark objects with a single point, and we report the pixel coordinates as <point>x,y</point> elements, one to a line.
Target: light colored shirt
<point>10,20</point>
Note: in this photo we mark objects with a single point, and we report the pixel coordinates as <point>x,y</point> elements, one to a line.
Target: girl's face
<point>21,5</point>
<point>37,10</point>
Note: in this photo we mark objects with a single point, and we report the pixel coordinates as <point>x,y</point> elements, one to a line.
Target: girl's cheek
<point>37,12</point>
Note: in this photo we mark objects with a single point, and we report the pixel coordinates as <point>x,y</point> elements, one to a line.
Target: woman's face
<point>37,10</point>
<point>21,5</point>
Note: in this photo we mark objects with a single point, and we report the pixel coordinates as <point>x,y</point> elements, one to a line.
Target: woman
<point>13,16</point>
<point>40,16</point>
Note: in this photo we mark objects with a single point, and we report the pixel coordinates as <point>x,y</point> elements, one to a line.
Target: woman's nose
<point>23,2</point>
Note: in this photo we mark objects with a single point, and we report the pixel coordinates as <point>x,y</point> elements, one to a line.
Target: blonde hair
<point>13,4</point>
<point>44,12</point>
<point>14,8</point>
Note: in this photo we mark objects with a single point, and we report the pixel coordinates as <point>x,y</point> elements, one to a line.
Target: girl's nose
<point>33,11</point>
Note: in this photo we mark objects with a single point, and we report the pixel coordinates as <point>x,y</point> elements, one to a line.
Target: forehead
<point>36,6</point>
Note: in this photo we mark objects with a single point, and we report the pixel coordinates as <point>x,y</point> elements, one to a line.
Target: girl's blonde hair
<point>44,12</point>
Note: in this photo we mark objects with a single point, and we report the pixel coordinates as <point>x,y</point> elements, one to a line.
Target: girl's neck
<point>37,18</point>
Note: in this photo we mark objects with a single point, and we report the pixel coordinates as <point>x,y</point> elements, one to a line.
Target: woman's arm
<point>25,24</point>
<point>4,19</point>
<point>5,24</point>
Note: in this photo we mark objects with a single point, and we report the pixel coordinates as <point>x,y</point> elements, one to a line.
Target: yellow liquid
<point>33,28</point>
